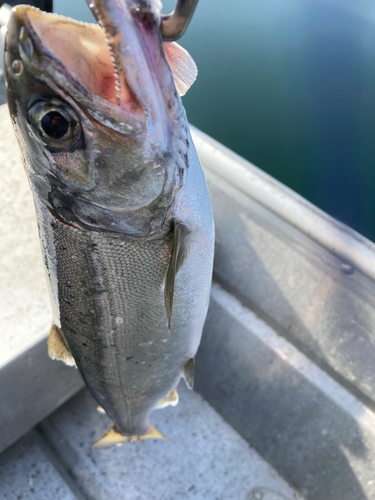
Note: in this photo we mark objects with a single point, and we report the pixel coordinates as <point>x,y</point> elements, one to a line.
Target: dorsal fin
<point>58,347</point>
<point>171,400</point>
<point>183,67</point>
<point>114,437</point>
<point>188,373</point>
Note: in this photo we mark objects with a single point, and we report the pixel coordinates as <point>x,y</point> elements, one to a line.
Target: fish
<point>122,206</point>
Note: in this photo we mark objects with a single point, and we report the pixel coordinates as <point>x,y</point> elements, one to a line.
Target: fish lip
<point>56,76</point>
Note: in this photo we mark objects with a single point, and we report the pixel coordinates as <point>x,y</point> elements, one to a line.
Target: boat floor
<point>206,459</point>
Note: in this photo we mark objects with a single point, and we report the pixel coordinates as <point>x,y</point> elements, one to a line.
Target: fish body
<point>123,211</point>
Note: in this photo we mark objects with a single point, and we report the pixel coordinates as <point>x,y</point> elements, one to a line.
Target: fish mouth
<point>113,68</point>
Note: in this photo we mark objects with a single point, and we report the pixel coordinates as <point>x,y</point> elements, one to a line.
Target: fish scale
<point>107,283</point>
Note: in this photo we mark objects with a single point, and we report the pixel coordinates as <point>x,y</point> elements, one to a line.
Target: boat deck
<point>206,459</point>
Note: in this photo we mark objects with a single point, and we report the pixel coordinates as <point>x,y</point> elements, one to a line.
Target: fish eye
<point>57,123</point>
<point>54,124</point>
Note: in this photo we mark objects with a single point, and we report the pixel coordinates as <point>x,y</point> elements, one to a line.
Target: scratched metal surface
<point>310,277</point>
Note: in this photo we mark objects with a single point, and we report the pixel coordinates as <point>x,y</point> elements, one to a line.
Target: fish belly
<point>108,299</point>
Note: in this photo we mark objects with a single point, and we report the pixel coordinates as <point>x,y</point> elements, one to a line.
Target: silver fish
<point>123,210</point>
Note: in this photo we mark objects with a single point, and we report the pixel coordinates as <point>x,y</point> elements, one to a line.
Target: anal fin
<point>188,373</point>
<point>114,437</point>
<point>58,347</point>
<point>171,400</point>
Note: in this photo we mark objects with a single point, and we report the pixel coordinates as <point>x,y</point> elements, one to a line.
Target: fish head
<point>101,127</point>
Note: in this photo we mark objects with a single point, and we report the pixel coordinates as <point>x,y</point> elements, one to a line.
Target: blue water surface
<point>289,85</point>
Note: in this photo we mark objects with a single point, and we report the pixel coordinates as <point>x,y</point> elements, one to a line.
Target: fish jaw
<point>119,172</point>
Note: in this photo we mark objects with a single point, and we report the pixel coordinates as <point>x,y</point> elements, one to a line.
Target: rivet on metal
<point>256,494</point>
<point>346,268</point>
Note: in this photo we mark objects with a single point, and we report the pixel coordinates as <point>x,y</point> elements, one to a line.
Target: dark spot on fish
<point>17,66</point>
<point>91,220</point>
<point>54,225</point>
<point>71,330</point>
<point>187,143</point>
<point>68,302</point>
<point>84,344</point>
<point>68,285</point>
<point>186,158</point>
<point>82,321</point>
<point>129,357</point>
<point>62,247</point>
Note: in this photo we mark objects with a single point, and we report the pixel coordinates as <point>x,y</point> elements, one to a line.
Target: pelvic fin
<point>188,373</point>
<point>171,400</point>
<point>58,347</point>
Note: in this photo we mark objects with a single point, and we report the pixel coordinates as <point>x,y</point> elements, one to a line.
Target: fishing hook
<point>174,25</point>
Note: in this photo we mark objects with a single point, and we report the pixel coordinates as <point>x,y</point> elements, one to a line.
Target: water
<point>289,85</point>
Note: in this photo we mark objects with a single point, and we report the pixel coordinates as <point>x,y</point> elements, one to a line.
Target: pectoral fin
<point>114,437</point>
<point>171,274</point>
<point>178,255</point>
<point>188,373</point>
<point>58,347</point>
<point>171,400</point>
<point>183,67</point>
